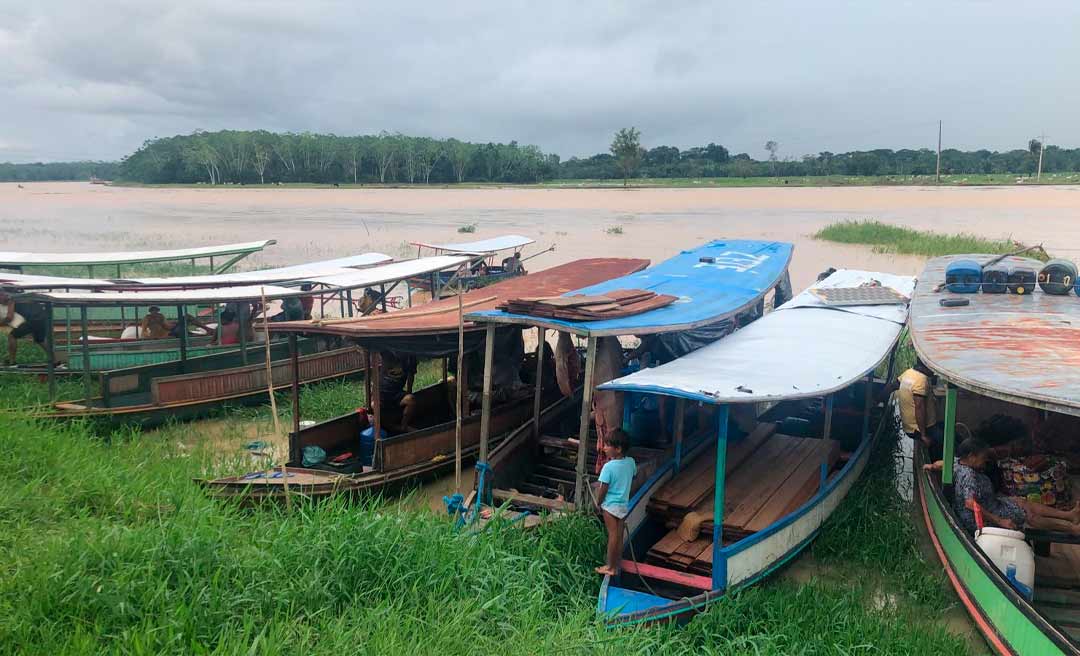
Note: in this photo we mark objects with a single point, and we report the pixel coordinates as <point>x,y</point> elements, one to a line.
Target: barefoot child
<point>614,496</point>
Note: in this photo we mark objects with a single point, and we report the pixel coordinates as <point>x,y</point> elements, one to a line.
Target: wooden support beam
<point>538,392</point>
<point>84,324</point>
<point>295,455</point>
<point>376,405</point>
<point>50,351</point>
<point>950,441</point>
<point>719,564</point>
<point>680,412</point>
<point>583,427</point>
<point>181,322</point>
<point>485,408</point>
<point>826,432</point>
<point>668,575</point>
<point>531,500</point>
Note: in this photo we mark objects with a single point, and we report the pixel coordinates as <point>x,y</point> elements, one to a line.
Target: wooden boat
<point>486,251</point>
<point>1015,355</point>
<point>429,331</point>
<point>760,495</point>
<point>719,285</point>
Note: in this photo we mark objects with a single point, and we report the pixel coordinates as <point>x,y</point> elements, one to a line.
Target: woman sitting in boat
<point>395,389</point>
<point>973,487</point>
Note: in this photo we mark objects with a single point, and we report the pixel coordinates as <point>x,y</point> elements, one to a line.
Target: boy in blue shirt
<point>614,497</point>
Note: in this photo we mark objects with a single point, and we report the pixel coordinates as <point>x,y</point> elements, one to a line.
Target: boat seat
<point>667,575</point>
<point>1041,540</point>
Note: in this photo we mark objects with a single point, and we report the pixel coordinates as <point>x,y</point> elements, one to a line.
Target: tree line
<point>261,157</point>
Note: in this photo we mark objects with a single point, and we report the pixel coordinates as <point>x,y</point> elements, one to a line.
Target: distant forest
<point>40,171</point>
<point>254,157</point>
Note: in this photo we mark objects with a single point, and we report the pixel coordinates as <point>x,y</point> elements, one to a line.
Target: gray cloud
<point>93,80</point>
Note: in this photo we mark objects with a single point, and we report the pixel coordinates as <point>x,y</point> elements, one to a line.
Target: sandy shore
<point>656,223</point>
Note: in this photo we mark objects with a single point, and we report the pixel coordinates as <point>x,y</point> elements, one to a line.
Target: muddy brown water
<point>311,224</point>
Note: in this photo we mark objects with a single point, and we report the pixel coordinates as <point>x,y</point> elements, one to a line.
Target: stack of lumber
<point>768,476</point>
<point>612,305</point>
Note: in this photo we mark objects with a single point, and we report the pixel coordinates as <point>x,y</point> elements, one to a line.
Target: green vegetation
<point>468,228</point>
<point>57,171</point>
<point>887,238</point>
<point>628,153</point>
<point>614,230</point>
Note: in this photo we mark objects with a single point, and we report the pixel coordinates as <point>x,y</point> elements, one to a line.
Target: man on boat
<point>973,488</point>
<point>396,386</point>
<point>154,325</point>
<point>21,319</point>
<point>918,408</point>
<point>512,265</point>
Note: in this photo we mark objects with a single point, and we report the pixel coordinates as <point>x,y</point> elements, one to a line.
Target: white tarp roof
<point>348,279</point>
<point>802,349</point>
<point>21,258</point>
<point>28,281</point>
<point>296,272</point>
<point>502,243</point>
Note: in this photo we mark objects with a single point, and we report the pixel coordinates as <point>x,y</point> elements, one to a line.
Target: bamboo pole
<point>273,400</point>
<point>583,428</point>
<point>538,392</point>
<point>485,408</point>
<point>457,384</point>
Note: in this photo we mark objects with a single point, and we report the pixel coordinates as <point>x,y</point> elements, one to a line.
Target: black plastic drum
<point>1057,277</point>
<point>995,279</point>
<point>1021,280</point>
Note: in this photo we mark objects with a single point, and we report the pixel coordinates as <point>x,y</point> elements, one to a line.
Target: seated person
<point>369,304</point>
<point>307,302</point>
<point>512,265</point>
<point>21,319</point>
<point>973,485</point>
<point>918,408</point>
<point>230,329</point>
<point>1053,436</point>
<point>479,269</point>
<point>292,309</point>
<point>154,325</point>
<point>396,386</point>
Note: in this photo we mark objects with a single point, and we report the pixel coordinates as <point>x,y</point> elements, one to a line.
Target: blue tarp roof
<point>712,282</point>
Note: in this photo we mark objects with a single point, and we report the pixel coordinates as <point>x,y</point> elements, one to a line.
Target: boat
<point>19,260</point>
<point>786,435</point>
<point>1015,355</point>
<point>714,288</point>
<point>195,381</point>
<point>433,331</point>
<point>486,252</point>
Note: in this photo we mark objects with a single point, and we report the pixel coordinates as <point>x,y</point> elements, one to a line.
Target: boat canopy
<point>18,259</point>
<point>481,247</point>
<point>351,279</point>
<point>294,273</point>
<point>1023,349</point>
<point>805,348</point>
<point>712,283</point>
<point>413,330</point>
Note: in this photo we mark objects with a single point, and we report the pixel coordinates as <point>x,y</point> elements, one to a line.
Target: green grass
<point>468,228</point>
<point>886,238</point>
<point>110,548</point>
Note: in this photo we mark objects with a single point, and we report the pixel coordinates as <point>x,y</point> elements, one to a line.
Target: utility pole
<point>937,176</point>
<point>1042,147</point>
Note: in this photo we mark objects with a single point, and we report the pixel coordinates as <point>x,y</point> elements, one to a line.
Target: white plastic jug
<point>1011,555</point>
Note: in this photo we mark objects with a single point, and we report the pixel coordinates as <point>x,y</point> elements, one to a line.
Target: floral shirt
<point>971,484</point>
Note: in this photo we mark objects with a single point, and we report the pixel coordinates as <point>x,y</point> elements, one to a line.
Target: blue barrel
<point>367,444</point>
<point>1021,280</point>
<point>995,279</point>
<point>1057,277</point>
<point>963,276</point>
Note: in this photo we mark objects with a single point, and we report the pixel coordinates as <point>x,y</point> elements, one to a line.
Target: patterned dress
<point>971,484</point>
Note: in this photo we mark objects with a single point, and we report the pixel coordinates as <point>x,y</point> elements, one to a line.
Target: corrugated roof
<point>482,246</point>
<point>1020,348</point>
<point>800,350</point>
<point>712,282</point>
<point>22,258</point>
<point>442,316</point>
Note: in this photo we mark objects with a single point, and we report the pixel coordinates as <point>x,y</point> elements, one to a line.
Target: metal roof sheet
<point>712,282</point>
<point>482,246</point>
<point>21,258</point>
<point>1019,348</point>
<point>798,351</point>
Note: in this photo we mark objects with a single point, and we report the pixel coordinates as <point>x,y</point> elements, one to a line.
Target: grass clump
<point>886,238</point>
<point>614,230</point>
<point>468,228</point>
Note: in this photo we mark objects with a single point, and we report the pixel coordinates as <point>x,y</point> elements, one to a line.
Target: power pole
<point>1042,147</point>
<point>937,176</point>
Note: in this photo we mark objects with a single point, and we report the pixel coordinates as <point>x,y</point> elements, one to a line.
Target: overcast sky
<point>93,79</point>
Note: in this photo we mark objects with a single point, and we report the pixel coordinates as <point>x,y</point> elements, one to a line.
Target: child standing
<point>614,496</point>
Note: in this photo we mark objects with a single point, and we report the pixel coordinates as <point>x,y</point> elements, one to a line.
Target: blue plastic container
<point>963,276</point>
<point>995,279</point>
<point>367,444</point>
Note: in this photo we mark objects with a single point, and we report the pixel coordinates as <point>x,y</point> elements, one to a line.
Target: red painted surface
<point>442,316</point>
<point>669,575</point>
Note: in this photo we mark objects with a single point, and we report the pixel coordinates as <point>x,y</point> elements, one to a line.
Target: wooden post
<point>485,408</point>
<point>382,293</point>
<point>294,440</point>
<point>680,411</point>
<point>538,393</point>
<point>181,322</point>
<point>376,405</point>
<point>826,433</point>
<point>348,297</point>
<point>270,371</point>
<point>85,325</point>
<point>949,448</point>
<point>243,317</point>
<point>583,427</point>
<point>719,564</point>
<point>458,391</point>
<point>367,379</point>
<point>50,351</point>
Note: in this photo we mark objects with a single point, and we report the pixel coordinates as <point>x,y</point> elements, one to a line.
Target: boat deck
<point>769,475</point>
<point>1057,587</point>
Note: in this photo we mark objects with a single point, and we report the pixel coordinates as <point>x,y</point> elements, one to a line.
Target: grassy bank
<point>962,180</point>
<point>110,548</point>
<point>886,238</point>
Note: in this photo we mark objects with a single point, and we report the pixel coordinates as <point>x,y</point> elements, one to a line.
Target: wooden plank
<point>767,488</point>
<point>668,575</point>
<point>531,500</point>
<point>799,487</point>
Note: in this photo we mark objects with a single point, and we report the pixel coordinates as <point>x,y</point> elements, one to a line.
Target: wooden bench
<point>667,575</point>
<point>1041,540</point>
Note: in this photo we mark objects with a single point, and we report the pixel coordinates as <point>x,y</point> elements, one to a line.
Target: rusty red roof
<point>442,316</point>
<point>1019,348</point>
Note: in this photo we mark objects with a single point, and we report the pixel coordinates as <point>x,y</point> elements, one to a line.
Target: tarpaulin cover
<point>799,350</point>
<point>712,282</point>
<point>21,258</point>
<point>482,246</point>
